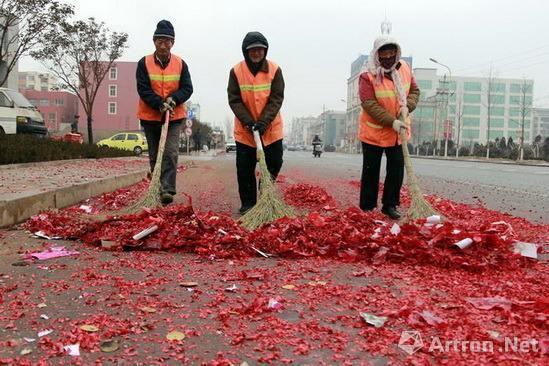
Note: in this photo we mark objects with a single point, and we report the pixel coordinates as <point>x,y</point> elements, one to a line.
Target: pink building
<point>115,107</point>
<point>58,108</point>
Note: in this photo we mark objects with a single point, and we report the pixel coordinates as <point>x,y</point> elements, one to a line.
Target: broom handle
<point>257,139</point>
<point>412,181</point>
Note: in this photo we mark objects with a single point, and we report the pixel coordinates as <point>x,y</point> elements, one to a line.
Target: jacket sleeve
<point>370,104</point>
<point>235,101</point>
<point>185,86</point>
<point>413,96</point>
<point>275,98</point>
<point>144,88</point>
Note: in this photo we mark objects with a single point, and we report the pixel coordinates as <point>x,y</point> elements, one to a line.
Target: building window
<point>518,88</point>
<point>497,87</point>
<point>472,86</point>
<point>59,102</point>
<point>424,112</point>
<point>497,99</point>
<point>470,134</point>
<point>496,122</point>
<point>425,84</point>
<point>112,90</point>
<point>471,98</point>
<point>51,117</point>
<point>44,102</point>
<point>471,122</point>
<point>471,110</point>
<point>518,99</point>
<point>112,107</point>
<point>517,112</point>
<point>113,73</point>
<point>497,111</point>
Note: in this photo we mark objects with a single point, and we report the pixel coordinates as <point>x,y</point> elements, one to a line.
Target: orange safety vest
<point>164,82</point>
<point>370,130</point>
<point>255,92</point>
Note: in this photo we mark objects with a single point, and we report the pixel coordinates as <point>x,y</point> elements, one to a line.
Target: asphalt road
<point>517,189</point>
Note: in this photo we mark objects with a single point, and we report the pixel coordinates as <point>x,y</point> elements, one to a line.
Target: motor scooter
<point>317,150</point>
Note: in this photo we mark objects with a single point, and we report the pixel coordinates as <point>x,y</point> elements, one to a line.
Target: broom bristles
<point>151,198</point>
<point>419,207</point>
<point>270,206</point>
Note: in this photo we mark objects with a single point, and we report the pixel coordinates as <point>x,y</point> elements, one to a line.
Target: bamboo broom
<point>419,207</point>
<point>151,198</point>
<point>270,205</point>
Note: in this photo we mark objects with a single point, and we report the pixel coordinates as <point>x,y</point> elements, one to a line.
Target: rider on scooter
<point>317,146</point>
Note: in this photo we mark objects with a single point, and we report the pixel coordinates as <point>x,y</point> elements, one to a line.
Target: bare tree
<point>22,23</point>
<point>458,111</point>
<point>81,54</point>
<point>524,110</point>
<point>489,105</point>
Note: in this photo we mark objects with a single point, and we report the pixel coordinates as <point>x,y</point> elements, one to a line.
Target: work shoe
<point>166,198</point>
<point>244,209</point>
<point>391,211</point>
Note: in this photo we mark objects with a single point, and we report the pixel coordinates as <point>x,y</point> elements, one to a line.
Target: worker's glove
<point>404,111</point>
<point>398,125</point>
<point>171,102</point>
<point>261,127</point>
<point>165,106</point>
<point>249,125</point>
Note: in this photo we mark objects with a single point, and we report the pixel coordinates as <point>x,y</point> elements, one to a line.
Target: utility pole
<point>459,114</point>
<point>522,117</point>
<point>489,114</point>
<point>446,93</point>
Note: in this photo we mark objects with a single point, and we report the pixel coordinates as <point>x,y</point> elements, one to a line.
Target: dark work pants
<point>246,160</point>
<point>171,152</point>
<point>371,165</point>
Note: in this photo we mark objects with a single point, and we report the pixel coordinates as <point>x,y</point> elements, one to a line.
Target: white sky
<point>315,41</point>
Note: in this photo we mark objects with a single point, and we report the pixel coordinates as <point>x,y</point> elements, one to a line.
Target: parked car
<point>18,115</point>
<point>230,146</point>
<point>133,141</point>
<point>329,148</point>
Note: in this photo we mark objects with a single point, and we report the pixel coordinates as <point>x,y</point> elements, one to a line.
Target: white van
<point>18,115</point>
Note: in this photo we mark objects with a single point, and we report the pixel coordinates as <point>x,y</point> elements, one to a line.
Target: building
<point>58,108</point>
<point>32,80</point>
<point>350,136</point>
<point>300,133</point>
<point>467,107</point>
<point>332,130</point>
<point>541,122</point>
<point>115,107</point>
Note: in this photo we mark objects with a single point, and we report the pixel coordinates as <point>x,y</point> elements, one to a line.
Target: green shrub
<point>16,149</point>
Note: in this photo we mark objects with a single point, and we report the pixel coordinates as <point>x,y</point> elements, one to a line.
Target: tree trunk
<point>90,131</point>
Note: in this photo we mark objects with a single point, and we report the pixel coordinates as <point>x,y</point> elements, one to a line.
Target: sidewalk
<point>27,189</point>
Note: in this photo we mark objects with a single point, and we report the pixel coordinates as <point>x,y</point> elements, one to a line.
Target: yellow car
<point>132,141</point>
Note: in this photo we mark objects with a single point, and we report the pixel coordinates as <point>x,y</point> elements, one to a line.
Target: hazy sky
<point>315,41</point>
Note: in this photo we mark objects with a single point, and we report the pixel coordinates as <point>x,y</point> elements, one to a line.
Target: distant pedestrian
<point>380,127</point>
<point>256,93</point>
<point>163,85</point>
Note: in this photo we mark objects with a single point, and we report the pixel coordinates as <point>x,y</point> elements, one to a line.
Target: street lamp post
<point>447,93</point>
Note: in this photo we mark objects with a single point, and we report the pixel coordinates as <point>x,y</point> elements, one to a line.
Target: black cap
<point>164,29</point>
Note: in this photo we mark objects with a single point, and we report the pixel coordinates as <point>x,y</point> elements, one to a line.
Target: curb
<point>501,162</point>
<point>19,209</point>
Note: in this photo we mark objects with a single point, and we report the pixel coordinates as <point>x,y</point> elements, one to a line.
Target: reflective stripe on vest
<point>370,130</point>
<point>255,92</point>
<point>164,82</point>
